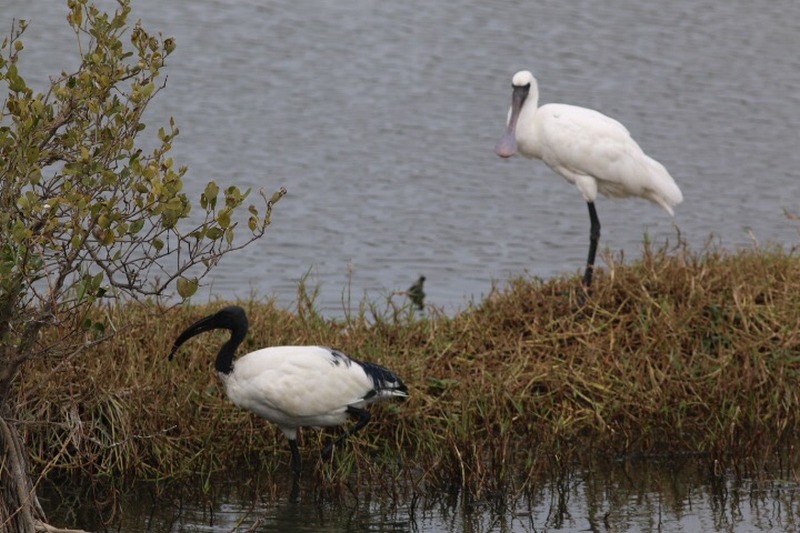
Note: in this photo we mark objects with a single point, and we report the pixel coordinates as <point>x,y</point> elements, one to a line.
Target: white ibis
<point>295,386</point>
<point>588,149</point>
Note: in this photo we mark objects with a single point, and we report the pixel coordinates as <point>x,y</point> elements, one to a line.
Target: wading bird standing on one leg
<point>295,386</point>
<point>588,149</point>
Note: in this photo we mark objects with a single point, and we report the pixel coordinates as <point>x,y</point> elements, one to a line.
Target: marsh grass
<point>676,353</point>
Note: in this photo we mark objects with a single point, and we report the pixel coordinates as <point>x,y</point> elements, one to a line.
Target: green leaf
<point>214,233</point>
<point>187,287</point>
<point>98,328</point>
<point>208,200</point>
<point>136,226</point>
<point>234,197</point>
<point>224,218</point>
<point>174,204</point>
<point>15,82</point>
<point>277,195</point>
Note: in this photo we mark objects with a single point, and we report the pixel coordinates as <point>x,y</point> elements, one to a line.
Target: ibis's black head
<point>232,318</point>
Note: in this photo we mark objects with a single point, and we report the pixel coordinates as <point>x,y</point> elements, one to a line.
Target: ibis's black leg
<point>294,494</point>
<point>594,238</point>
<point>363,418</point>
<point>296,461</point>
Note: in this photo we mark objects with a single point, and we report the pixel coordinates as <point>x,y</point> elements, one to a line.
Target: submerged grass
<point>676,353</point>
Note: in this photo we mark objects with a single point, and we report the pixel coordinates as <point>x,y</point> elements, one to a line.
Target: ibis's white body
<point>590,150</point>
<point>295,386</point>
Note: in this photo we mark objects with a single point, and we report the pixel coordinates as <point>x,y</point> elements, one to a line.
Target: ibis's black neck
<point>237,324</point>
<point>232,318</point>
<point>224,363</point>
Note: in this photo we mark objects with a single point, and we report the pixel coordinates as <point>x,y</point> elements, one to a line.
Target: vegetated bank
<point>679,352</point>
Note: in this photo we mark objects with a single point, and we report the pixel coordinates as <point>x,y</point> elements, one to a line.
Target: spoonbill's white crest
<point>588,149</point>
<point>295,386</point>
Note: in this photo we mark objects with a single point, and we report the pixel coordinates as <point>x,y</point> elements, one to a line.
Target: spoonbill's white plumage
<point>589,149</point>
<point>295,386</point>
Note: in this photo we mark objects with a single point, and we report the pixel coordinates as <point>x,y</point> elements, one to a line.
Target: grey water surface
<point>380,119</point>
<point>678,495</point>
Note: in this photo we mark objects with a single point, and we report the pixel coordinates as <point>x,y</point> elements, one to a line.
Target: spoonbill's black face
<point>519,95</point>
<point>507,146</point>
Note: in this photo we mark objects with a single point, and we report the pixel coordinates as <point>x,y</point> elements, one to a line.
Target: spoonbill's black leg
<point>594,238</point>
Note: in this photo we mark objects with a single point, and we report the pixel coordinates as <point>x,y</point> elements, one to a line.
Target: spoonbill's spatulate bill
<point>588,149</point>
<point>295,386</point>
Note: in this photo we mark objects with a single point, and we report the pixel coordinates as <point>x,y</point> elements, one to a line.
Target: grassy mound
<point>675,353</point>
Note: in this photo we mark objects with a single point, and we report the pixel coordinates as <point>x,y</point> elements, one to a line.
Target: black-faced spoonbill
<point>295,386</point>
<point>588,149</point>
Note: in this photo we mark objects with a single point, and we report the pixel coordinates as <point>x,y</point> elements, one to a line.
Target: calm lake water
<point>636,496</point>
<point>380,118</point>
